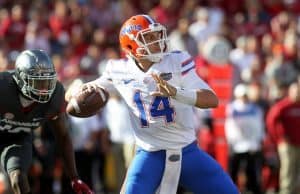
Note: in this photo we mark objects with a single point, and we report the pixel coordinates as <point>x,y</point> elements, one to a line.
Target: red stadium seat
<point>224,72</point>
<point>221,152</point>
<point>218,127</point>
<point>220,79</point>
<point>223,88</point>
<point>219,112</point>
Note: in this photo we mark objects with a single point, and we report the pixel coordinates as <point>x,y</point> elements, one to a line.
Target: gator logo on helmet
<point>130,28</point>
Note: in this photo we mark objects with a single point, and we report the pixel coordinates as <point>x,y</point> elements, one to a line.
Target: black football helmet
<point>35,75</point>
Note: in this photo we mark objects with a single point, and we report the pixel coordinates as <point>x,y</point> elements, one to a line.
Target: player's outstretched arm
<point>64,142</point>
<point>201,98</point>
<point>206,99</point>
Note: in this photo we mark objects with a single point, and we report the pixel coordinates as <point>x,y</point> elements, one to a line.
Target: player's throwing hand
<point>163,88</point>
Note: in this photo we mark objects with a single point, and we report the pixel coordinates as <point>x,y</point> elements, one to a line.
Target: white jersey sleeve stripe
<point>188,66</point>
<point>187,70</point>
<point>186,62</point>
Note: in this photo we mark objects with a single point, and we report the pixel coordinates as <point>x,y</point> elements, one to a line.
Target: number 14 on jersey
<point>160,107</point>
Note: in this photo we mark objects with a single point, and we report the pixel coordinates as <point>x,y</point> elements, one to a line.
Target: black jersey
<point>14,121</point>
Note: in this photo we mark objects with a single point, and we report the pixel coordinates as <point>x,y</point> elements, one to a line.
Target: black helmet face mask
<point>41,87</point>
<point>35,75</point>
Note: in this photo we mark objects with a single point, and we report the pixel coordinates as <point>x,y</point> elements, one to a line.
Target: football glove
<point>80,187</point>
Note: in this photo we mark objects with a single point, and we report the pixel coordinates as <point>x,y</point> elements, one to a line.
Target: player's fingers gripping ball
<point>87,101</point>
<point>163,87</point>
<point>90,87</point>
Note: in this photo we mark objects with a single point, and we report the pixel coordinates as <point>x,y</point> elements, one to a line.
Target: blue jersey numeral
<point>140,106</point>
<point>159,108</point>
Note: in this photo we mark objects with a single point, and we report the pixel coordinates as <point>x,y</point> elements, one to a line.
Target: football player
<point>161,88</point>
<point>30,96</point>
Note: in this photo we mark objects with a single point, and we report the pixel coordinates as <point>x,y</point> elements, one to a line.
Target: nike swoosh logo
<point>128,81</point>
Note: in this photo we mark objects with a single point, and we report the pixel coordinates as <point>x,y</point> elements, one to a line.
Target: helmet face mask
<point>35,75</point>
<point>40,87</point>
<point>142,38</point>
<point>155,37</point>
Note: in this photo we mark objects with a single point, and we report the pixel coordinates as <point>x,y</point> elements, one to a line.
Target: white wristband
<point>186,96</point>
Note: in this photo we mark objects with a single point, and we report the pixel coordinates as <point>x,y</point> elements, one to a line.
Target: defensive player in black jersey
<point>30,96</point>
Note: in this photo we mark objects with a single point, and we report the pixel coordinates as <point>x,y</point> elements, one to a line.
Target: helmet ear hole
<point>129,47</point>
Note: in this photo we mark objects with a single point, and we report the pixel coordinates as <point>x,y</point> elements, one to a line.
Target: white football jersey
<point>158,122</point>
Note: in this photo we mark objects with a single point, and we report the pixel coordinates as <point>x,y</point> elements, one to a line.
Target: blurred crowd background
<point>247,50</point>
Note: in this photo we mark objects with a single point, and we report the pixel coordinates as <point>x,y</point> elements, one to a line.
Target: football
<point>86,102</point>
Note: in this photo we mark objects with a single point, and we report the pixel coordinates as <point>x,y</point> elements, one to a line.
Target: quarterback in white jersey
<point>159,122</point>
<point>160,89</point>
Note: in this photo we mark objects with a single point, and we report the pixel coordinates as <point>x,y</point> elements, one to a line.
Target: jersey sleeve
<point>94,123</point>
<point>105,80</point>
<point>190,78</point>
